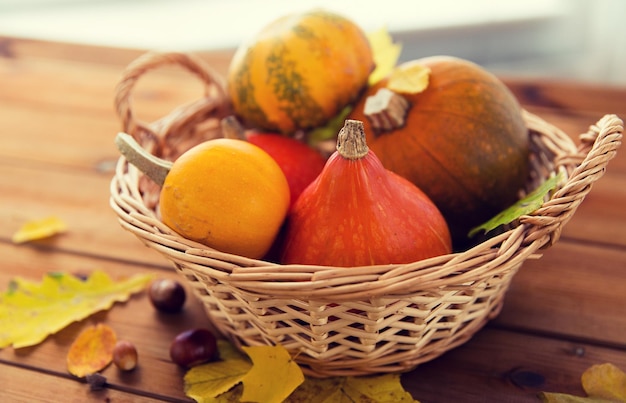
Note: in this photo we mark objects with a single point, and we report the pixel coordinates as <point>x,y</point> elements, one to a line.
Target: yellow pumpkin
<point>299,71</point>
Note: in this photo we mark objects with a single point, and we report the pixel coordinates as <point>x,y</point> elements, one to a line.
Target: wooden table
<point>562,314</point>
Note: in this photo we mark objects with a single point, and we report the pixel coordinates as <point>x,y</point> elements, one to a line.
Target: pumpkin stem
<point>351,142</point>
<point>232,129</point>
<point>386,110</point>
<point>153,167</point>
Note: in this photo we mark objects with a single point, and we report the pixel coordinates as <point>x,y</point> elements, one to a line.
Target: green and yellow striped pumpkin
<point>299,71</point>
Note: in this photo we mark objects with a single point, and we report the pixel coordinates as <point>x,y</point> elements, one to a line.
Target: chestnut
<point>194,347</point>
<point>167,295</point>
<point>125,355</point>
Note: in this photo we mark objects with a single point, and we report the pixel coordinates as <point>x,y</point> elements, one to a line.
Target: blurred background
<point>582,40</point>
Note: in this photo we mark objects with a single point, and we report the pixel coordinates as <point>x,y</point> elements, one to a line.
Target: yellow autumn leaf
<point>365,389</point>
<point>92,350</point>
<point>605,381</point>
<point>38,229</point>
<point>410,78</point>
<point>385,52</point>
<point>43,308</point>
<point>209,383</point>
<point>204,383</point>
<point>274,375</point>
<point>228,352</point>
<point>322,390</point>
<point>549,397</point>
<point>380,389</point>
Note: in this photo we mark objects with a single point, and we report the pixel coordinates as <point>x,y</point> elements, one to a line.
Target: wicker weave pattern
<point>375,319</point>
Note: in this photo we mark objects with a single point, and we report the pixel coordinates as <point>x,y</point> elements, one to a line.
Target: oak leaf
<point>43,308</point>
<point>92,350</point>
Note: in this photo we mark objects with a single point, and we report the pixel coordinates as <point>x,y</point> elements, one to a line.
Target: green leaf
<point>58,300</point>
<point>330,129</point>
<point>527,205</point>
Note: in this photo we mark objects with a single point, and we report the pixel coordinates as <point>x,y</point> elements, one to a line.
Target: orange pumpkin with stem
<point>357,213</point>
<point>299,71</point>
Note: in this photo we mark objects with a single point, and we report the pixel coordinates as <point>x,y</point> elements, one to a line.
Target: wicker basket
<point>362,320</point>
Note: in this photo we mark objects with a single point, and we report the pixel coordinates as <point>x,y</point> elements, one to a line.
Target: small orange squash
<point>299,71</point>
<point>463,142</point>
<point>227,194</point>
<point>357,213</point>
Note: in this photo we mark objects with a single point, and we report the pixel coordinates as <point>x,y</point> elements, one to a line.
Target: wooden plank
<point>575,290</point>
<point>90,89</point>
<point>93,227</point>
<point>25,48</point>
<point>602,208</point>
<point>28,386</point>
<point>501,366</point>
<point>65,111</point>
<point>64,138</point>
<point>570,98</point>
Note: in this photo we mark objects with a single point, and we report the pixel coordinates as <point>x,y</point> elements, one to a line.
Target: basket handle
<point>588,161</point>
<point>192,114</point>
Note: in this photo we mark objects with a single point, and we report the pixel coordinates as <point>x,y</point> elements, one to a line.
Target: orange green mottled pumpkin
<point>299,71</point>
<point>464,142</point>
